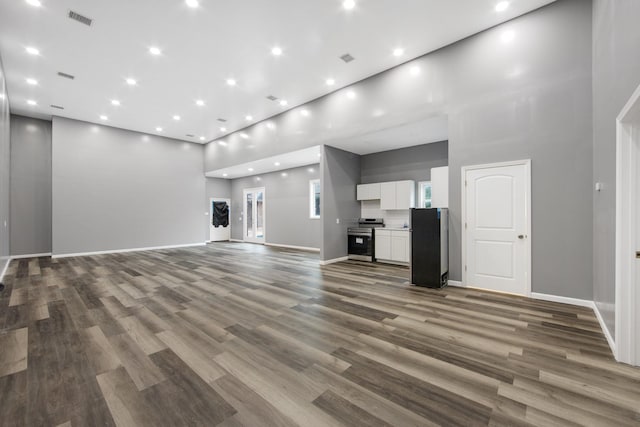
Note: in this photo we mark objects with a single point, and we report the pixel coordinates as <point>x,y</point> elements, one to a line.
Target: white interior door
<point>219,234</point>
<point>254,215</point>
<point>496,205</point>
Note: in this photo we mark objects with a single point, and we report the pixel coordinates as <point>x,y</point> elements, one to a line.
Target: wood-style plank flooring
<point>245,335</point>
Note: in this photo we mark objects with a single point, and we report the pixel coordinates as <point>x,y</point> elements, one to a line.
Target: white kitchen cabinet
<point>368,192</point>
<point>440,187</point>
<point>397,195</point>
<point>383,244</point>
<point>392,245</point>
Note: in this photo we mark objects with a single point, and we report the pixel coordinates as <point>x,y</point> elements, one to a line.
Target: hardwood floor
<point>234,334</point>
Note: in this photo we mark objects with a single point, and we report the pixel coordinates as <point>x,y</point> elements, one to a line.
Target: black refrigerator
<point>430,247</point>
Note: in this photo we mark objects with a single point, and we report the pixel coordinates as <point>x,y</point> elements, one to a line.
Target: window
<point>425,194</point>
<point>314,198</point>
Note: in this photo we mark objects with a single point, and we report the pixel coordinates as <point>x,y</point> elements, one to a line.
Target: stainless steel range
<point>362,239</point>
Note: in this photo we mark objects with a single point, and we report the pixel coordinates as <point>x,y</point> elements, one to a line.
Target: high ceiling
<point>203,47</point>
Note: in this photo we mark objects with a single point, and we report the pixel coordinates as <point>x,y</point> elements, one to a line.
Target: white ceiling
<point>203,47</point>
<point>294,159</point>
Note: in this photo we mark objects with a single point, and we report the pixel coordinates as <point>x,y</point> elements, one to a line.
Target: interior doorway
<point>253,223</point>
<point>496,227</point>
<point>627,332</point>
<point>219,220</point>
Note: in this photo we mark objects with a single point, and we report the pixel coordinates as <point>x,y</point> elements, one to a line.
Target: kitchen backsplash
<point>394,218</point>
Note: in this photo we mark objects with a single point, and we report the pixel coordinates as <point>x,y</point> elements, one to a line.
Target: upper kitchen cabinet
<point>368,192</point>
<point>397,195</point>
<point>440,187</point>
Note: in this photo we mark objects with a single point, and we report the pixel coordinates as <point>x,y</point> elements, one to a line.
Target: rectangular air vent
<point>272,98</point>
<point>347,57</point>
<point>57,106</point>
<point>66,76</point>
<point>222,120</point>
<point>80,18</point>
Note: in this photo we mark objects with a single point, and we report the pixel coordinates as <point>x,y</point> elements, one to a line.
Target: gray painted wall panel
<point>30,186</point>
<point>287,207</point>
<point>529,98</point>
<point>5,158</point>
<point>413,163</point>
<point>616,74</point>
<point>340,175</point>
<point>115,189</point>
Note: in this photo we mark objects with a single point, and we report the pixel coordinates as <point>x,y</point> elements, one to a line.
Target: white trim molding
<point>300,248</point>
<point>30,255</point>
<point>4,270</point>
<point>333,261</point>
<point>563,300</point>
<point>627,300</point>
<point>455,283</point>
<point>117,251</point>
<point>236,241</point>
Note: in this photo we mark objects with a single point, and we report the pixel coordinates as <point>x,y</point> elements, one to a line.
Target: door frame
<point>463,189</point>
<point>264,215</point>
<point>627,301</point>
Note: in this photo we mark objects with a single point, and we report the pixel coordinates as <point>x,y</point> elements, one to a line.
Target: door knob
<point>521,236</point>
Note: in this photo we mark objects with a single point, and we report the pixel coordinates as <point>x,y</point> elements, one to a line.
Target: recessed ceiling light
<point>276,51</point>
<point>200,103</point>
<point>270,125</point>
<point>223,129</point>
<point>224,144</point>
<point>115,102</point>
<point>192,3</point>
<point>131,82</point>
<point>250,169</point>
<point>176,117</point>
<point>244,136</point>
<point>305,112</point>
<point>415,70</point>
<point>319,155</point>
<point>258,179</point>
<point>32,102</point>
<point>507,36</point>
<point>2,95</point>
<point>311,170</point>
<point>276,164</point>
<point>225,174</point>
<point>502,6</point>
<point>249,118</point>
<point>103,117</point>
<point>231,82</point>
<point>351,95</point>
<point>284,174</point>
<point>283,102</point>
<point>153,50</point>
<point>32,82</point>
<point>348,4</point>
<point>398,51</point>
<point>32,50</point>
<point>35,3</point>
<point>331,82</point>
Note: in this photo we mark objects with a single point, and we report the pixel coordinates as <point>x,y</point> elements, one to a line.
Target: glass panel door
<point>254,215</point>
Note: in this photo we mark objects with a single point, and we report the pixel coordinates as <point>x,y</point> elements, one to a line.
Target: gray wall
<point>116,189</point>
<point>340,173</point>
<point>530,98</point>
<point>5,157</point>
<point>413,163</point>
<point>287,207</point>
<point>30,186</point>
<point>616,74</point>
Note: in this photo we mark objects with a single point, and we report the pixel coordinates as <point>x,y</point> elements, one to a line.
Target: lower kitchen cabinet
<point>392,245</point>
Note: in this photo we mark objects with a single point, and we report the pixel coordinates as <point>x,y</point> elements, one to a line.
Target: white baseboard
<point>117,251</point>
<point>4,269</point>
<point>301,248</point>
<point>563,300</point>
<point>30,255</point>
<point>605,330</point>
<point>333,261</point>
<point>455,283</point>
<point>236,240</point>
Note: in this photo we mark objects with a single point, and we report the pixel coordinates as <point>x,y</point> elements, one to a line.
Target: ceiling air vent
<point>80,18</point>
<point>222,120</point>
<point>347,57</point>
<point>66,76</point>
<point>57,106</point>
<point>190,135</point>
<point>271,98</point>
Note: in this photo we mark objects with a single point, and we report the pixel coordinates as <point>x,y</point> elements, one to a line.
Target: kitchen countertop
<point>394,228</point>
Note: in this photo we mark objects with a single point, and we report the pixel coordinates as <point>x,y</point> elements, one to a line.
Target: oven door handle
<point>360,234</point>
